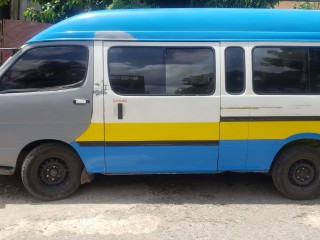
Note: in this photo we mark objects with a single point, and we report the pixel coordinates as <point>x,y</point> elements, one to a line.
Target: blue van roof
<point>188,25</point>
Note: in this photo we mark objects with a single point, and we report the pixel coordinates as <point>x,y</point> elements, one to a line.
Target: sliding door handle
<point>120,111</point>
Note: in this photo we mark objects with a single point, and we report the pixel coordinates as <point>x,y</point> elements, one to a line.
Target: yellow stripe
<point>281,129</point>
<point>95,133</point>
<point>266,129</point>
<point>161,131</point>
<point>151,132</point>
<point>197,131</point>
<point>234,130</point>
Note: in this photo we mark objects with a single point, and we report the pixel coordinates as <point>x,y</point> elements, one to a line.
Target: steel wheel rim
<point>53,172</point>
<point>302,173</point>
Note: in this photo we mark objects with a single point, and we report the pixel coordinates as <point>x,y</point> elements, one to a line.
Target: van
<point>165,91</point>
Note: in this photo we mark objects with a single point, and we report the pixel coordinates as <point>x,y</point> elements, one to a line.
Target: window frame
<point>244,70</point>
<point>164,60</point>
<point>46,89</point>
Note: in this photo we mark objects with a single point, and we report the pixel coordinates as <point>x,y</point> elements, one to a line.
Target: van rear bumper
<point>6,170</point>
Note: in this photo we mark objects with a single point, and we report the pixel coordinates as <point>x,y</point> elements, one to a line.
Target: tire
<point>51,171</point>
<point>296,172</point>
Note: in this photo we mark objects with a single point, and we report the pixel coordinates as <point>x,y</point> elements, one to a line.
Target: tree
<point>308,5</point>
<point>169,4</point>
<point>4,2</point>
<point>127,4</point>
<point>234,3</point>
<point>53,11</point>
<point>120,4</point>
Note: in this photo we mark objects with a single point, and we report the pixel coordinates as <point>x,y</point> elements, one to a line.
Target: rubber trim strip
<point>149,143</point>
<point>273,118</point>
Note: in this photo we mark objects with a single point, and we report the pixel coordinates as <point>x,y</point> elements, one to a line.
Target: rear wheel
<point>296,172</point>
<point>51,171</point>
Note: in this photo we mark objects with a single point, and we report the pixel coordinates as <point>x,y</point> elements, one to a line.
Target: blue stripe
<point>149,159</point>
<point>261,154</point>
<point>234,155</point>
<point>92,157</point>
<point>254,155</point>
<point>162,159</point>
<point>248,155</point>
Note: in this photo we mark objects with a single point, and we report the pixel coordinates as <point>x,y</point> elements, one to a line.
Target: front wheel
<point>296,172</point>
<point>51,171</point>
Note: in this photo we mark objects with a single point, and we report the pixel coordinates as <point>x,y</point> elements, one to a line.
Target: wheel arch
<point>313,142</point>
<point>26,149</point>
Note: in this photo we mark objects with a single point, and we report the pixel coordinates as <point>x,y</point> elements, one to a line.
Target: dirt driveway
<point>223,206</point>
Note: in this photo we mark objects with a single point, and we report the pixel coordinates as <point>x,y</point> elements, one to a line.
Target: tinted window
<point>314,67</point>
<point>47,67</point>
<point>189,71</point>
<point>286,70</point>
<point>161,71</point>
<point>235,70</point>
<point>137,70</point>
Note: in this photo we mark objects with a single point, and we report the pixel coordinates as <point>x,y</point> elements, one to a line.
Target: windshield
<point>6,54</point>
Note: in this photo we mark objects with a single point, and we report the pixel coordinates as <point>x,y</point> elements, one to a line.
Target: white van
<point>165,91</point>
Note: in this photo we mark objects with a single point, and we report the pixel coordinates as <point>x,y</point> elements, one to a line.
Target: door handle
<point>120,111</point>
<point>80,101</point>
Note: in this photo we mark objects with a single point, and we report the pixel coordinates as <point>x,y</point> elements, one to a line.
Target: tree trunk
<point>14,9</point>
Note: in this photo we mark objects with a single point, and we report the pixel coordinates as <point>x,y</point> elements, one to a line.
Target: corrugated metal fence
<point>14,33</point>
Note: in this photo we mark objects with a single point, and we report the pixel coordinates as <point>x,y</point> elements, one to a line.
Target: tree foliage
<point>234,3</point>
<point>4,2</point>
<point>308,5</point>
<point>127,4</point>
<point>53,11</point>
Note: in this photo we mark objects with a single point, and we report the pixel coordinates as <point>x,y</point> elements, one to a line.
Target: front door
<point>45,95</point>
<point>161,107</point>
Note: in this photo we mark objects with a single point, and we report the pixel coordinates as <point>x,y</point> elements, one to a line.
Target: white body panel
<point>98,87</point>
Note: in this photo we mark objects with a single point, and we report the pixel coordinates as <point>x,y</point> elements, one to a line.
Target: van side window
<point>314,68</point>
<point>161,71</point>
<point>46,67</point>
<point>235,70</point>
<point>137,70</point>
<point>286,70</point>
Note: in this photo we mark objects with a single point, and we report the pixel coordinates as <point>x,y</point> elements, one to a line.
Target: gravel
<point>224,206</point>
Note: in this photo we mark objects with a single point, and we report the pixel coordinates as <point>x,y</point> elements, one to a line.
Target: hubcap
<point>53,171</point>
<point>302,173</point>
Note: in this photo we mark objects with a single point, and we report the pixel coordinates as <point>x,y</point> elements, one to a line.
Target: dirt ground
<point>223,206</point>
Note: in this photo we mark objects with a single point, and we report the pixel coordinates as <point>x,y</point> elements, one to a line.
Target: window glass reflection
<point>161,71</point>
<point>235,70</point>
<point>137,70</point>
<point>280,70</point>
<point>189,71</point>
<point>47,67</point>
